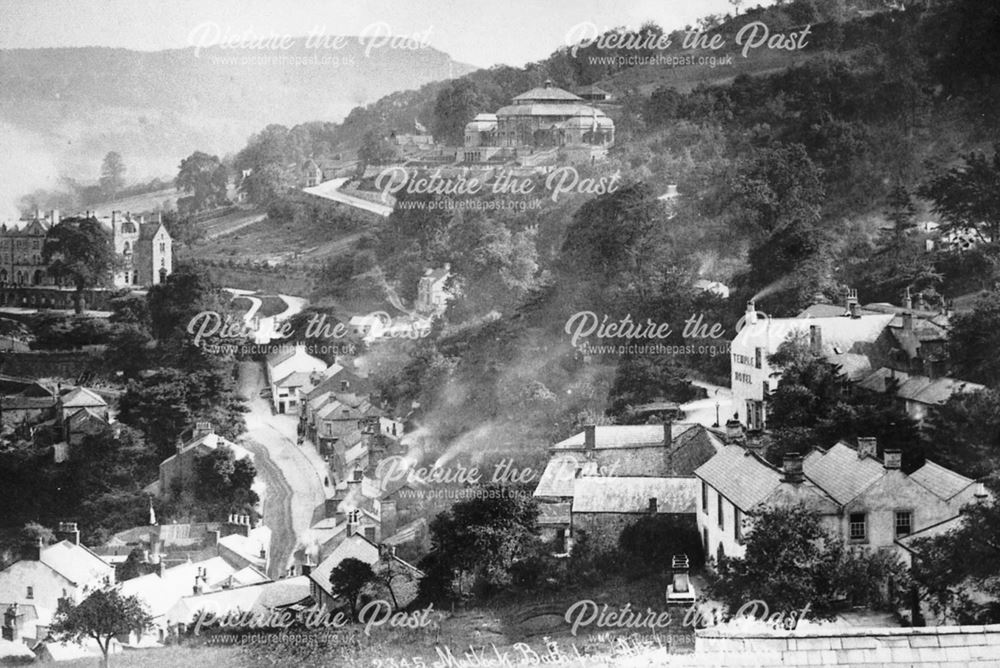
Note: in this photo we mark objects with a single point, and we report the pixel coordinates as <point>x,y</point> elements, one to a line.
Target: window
<point>722,521</point>
<point>858,526</point>
<point>904,523</point>
<point>31,593</point>
<point>737,528</point>
<point>704,496</point>
<point>759,357</point>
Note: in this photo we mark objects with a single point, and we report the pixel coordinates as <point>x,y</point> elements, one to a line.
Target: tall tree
<point>973,341</point>
<point>112,174</point>
<point>479,541</point>
<point>968,196</point>
<point>965,432</point>
<point>205,178</point>
<point>959,571</point>
<point>457,104</point>
<point>348,579</point>
<point>79,250</point>
<point>102,616</point>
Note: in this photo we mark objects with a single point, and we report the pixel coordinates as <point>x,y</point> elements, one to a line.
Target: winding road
<point>296,493</point>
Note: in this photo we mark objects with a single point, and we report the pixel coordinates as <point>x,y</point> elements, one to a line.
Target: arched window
<point>127,249</point>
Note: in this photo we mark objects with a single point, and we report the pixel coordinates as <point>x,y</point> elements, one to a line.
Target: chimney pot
<point>751,313</point>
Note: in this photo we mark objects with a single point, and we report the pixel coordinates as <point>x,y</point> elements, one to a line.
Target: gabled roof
<point>354,547</point>
<point>81,397</point>
<point>740,476</point>
<point>75,562</point>
<point>85,415</point>
<point>211,442</point>
<point>295,379</point>
<point>603,494</point>
<point>942,482</point>
<point>841,473</point>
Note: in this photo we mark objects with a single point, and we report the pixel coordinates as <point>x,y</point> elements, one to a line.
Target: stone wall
<point>859,648</point>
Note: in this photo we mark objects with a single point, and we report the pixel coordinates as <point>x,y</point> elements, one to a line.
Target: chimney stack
<point>203,428</point>
<point>981,494</point>
<point>668,432</point>
<point>68,531</point>
<point>815,339</point>
<point>734,429</point>
<point>907,322</point>
<point>13,623</point>
<point>893,459</point>
<point>793,467</point>
<point>851,302</point>
<point>589,439</point>
<point>867,447</point>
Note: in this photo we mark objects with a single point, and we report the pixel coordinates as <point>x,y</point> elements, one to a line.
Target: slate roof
<point>624,436</point>
<point>547,93</point>
<point>841,473</point>
<point>294,379</point>
<point>558,478</point>
<point>74,562</point>
<point>250,599</point>
<point>942,482</point>
<point>81,397</point>
<point>602,494</point>
<point>921,389</point>
<point>22,403</point>
<point>740,476</point>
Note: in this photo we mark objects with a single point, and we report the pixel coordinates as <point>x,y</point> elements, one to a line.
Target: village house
<point>846,340</point>
<point>289,375</point>
<point>917,394</point>
<point>400,578</point>
<point>259,600</point>
<point>26,402</point>
<point>736,482</point>
<point>872,345</point>
<point>432,298</point>
<point>606,477</point>
<point>177,472</point>
<point>866,500</point>
<point>48,574</point>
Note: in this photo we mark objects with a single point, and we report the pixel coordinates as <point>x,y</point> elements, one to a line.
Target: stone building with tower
<point>144,250</point>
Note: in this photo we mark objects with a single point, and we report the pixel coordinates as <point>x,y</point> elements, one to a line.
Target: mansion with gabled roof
<point>144,248</point>
<point>541,118</point>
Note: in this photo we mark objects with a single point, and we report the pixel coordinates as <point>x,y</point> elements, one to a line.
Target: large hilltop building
<point>145,250</point>
<point>541,118</point>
